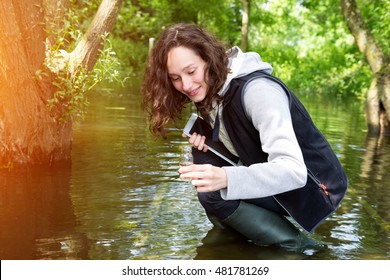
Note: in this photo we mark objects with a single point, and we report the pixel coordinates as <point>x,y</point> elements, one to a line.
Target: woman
<point>250,112</point>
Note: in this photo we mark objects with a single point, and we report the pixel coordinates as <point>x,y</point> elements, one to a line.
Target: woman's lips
<point>194,92</point>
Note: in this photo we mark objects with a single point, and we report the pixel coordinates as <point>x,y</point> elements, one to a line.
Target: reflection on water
<point>36,216</point>
<point>120,197</point>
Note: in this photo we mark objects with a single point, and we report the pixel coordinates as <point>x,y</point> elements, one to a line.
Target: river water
<point>120,197</point>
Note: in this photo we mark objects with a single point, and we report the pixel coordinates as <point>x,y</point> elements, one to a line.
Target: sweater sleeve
<point>267,106</point>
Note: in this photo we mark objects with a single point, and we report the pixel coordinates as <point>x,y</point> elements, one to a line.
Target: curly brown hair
<point>162,102</point>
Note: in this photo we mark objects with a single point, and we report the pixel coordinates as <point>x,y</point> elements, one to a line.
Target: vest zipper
<point>319,184</point>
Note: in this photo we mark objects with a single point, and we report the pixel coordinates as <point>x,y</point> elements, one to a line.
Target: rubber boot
<point>215,221</point>
<point>265,227</point>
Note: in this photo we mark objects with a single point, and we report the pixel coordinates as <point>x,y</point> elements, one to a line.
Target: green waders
<point>265,227</point>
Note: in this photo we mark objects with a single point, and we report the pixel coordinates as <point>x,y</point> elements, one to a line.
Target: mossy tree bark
<point>378,97</point>
<point>30,132</point>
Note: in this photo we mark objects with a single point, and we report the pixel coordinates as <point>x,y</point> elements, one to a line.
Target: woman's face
<point>187,72</point>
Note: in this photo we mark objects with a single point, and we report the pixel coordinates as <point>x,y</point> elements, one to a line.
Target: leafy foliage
<point>310,47</point>
<point>73,82</point>
<point>306,41</point>
<point>377,16</point>
<point>73,86</point>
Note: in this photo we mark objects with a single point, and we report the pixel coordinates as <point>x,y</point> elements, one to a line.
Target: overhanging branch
<point>363,37</point>
<point>87,50</point>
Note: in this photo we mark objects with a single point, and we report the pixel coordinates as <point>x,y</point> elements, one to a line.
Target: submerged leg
<point>265,227</point>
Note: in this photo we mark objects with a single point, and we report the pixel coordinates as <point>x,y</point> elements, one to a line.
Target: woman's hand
<point>205,177</point>
<point>198,141</point>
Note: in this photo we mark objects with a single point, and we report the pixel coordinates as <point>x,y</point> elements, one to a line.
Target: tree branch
<point>86,52</point>
<point>363,37</point>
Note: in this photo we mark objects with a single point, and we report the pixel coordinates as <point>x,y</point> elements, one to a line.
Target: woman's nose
<point>187,82</point>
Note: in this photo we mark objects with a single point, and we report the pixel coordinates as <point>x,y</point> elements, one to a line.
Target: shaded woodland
<point>52,53</point>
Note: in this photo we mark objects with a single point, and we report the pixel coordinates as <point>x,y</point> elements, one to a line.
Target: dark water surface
<point>120,198</point>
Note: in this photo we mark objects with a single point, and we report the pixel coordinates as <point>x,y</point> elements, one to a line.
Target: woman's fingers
<point>198,141</point>
<point>195,168</point>
<point>205,177</point>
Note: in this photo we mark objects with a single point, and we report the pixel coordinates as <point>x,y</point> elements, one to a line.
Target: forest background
<point>307,42</point>
<point>311,45</point>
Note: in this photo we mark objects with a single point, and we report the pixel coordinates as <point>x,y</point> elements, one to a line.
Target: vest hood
<point>242,64</point>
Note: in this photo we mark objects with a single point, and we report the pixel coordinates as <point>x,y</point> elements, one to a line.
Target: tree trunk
<point>245,25</point>
<point>29,131</point>
<point>378,97</point>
